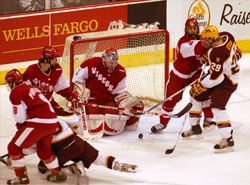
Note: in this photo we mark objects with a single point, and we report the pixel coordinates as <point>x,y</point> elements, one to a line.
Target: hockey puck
<point>140,135</point>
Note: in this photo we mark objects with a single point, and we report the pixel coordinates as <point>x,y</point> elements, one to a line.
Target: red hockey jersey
<point>188,57</point>
<point>55,80</point>
<point>102,85</point>
<point>30,105</point>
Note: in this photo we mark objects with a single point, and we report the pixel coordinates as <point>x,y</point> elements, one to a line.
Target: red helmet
<point>191,21</point>
<point>13,78</point>
<point>49,52</point>
<point>110,59</point>
<point>112,54</point>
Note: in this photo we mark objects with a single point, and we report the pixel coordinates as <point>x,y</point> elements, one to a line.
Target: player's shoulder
<point>184,39</point>
<point>32,67</point>
<point>121,70</point>
<point>228,35</point>
<point>19,91</point>
<point>92,61</point>
<point>58,68</point>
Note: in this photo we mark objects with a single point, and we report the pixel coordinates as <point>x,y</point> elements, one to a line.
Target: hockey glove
<point>74,99</point>
<point>197,89</point>
<point>126,100</point>
<point>83,92</point>
<point>204,59</point>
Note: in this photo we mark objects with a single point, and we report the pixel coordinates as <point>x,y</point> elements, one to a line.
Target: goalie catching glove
<point>197,89</point>
<point>79,94</point>
<point>74,100</point>
<point>83,92</point>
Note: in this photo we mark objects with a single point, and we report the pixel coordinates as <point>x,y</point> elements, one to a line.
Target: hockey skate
<point>208,124</point>
<point>75,168</point>
<point>60,177</point>
<point>123,167</point>
<point>157,128</point>
<point>194,131</point>
<point>225,145</point>
<point>19,180</point>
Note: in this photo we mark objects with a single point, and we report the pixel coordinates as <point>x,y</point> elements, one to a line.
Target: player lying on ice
<point>67,146</point>
<point>102,81</point>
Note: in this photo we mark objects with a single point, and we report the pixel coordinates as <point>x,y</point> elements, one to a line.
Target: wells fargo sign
<point>23,36</point>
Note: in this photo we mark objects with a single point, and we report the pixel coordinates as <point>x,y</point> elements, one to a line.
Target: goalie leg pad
<point>95,123</point>
<point>114,124</point>
<point>133,121</point>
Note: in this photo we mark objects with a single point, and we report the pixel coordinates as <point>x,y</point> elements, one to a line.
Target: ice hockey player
<point>67,146</point>
<point>186,69</point>
<point>36,123</point>
<point>103,82</point>
<point>47,76</point>
<point>218,85</point>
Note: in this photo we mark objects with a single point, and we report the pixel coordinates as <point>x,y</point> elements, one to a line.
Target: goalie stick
<point>140,112</point>
<point>84,126</point>
<point>173,95</point>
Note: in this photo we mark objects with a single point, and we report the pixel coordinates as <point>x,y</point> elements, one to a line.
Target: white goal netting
<point>143,52</point>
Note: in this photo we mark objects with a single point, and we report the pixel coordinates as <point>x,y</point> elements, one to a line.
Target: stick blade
<point>184,110</point>
<point>169,151</point>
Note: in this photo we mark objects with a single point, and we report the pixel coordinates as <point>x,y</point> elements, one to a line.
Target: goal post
<point>144,53</point>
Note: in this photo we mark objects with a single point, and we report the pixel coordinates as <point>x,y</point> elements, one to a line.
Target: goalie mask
<point>110,59</point>
<point>192,28</point>
<point>13,78</point>
<point>49,55</point>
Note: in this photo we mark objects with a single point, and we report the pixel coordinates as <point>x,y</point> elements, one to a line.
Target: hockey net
<point>143,52</point>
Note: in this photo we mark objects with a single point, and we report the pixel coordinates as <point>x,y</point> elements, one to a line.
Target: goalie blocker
<point>114,122</point>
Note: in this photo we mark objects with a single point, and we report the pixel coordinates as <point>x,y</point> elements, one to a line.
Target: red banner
<point>22,37</point>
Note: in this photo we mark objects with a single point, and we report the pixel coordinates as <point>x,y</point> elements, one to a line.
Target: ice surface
<point>192,162</point>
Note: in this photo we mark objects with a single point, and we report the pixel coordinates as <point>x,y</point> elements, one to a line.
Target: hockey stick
<point>173,95</point>
<point>171,150</point>
<point>3,160</point>
<point>140,112</point>
<point>84,126</point>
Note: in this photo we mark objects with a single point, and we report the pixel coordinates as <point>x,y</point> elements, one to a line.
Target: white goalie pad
<point>114,124</point>
<point>95,123</point>
<point>126,100</point>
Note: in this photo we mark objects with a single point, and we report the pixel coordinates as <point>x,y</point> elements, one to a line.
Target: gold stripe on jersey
<point>223,122</point>
<point>194,112</point>
<point>62,138</point>
<point>234,83</point>
<point>107,160</point>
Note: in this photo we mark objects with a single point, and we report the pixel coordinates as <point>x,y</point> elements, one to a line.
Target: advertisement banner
<point>23,37</point>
